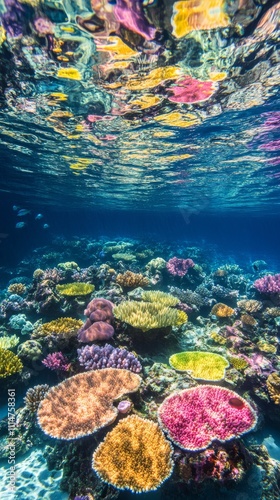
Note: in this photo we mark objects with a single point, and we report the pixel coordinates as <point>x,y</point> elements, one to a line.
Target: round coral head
<point>196,417</point>
<point>97,331</point>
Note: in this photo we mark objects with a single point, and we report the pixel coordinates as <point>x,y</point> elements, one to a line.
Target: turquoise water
<point>133,133</point>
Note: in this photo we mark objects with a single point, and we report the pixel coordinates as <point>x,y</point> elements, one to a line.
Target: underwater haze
<point>139,249</point>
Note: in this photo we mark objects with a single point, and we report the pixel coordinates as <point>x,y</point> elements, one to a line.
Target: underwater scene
<point>139,249</point>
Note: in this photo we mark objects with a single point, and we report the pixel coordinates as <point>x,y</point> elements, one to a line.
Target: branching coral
<point>95,357</point>
<point>239,364</point>
<point>17,288</point>
<point>9,363</point>
<point>250,306</point>
<point>83,404</point>
<point>34,396</point>
<point>75,289</point>
<point>202,365</point>
<point>273,387</point>
<point>149,315</point>
<point>195,417</point>
<point>131,280</point>
<point>9,341</point>
<point>222,310</point>
<point>269,284</point>
<point>164,299</point>
<point>62,327</point>
<point>135,455</point>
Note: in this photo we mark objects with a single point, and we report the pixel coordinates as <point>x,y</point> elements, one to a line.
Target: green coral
<point>68,266</point>
<point>75,289</point>
<point>63,327</point>
<point>149,315</point>
<point>9,363</point>
<point>31,350</point>
<point>157,264</point>
<point>239,364</point>
<point>124,256</point>
<point>164,299</point>
<point>202,365</point>
<point>8,342</point>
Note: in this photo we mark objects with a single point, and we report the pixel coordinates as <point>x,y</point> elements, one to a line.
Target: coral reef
<point>62,327</point>
<point>269,284</point>
<point>202,365</point>
<point>131,280</point>
<point>222,310</point>
<point>179,267</point>
<point>9,363</point>
<point>75,289</point>
<point>56,361</point>
<point>195,417</point>
<point>273,387</point>
<point>34,396</point>
<point>149,315</point>
<point>68,411</point>
<point>98,325</point>
<point>135,455</point>
<point>94,358</point>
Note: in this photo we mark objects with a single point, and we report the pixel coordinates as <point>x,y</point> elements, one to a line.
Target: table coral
<point>222,310</point>
<point>9,363</point>
<point>131,280</point>
<point>195,417</point>
<point>149,315</point>
<point>83,404</point>
<point>135,455</point>
<point>202,365</point>
<point>75,289</point>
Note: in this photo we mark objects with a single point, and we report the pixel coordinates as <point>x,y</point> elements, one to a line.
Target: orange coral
<point>18,288</point>
<point>135,455</point>
<point>131,280</point>
<point>83,404</point>
<point>248,320</point>
<point>222,310</point>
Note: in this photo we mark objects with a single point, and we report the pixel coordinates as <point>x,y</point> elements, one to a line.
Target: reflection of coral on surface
<point>193,418</point>
<point>191,90</point>
<point>83,404</point>
<point>135,455</point>
<point>198,15</point>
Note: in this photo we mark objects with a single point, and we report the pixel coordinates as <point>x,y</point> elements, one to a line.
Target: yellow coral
<point>222,310</point>
<point>202,365</point>
<point>17,288</point>
<point>9,363</point>
<point>135,455</point>
<point>154,78</point>
<point>70,73</point>
<point>250,306</point>
<point>124,256</point>
<point>273,387</point>
<point>75,289</point>
<point>248,320</point>
<point>219,339</point>
<point>8,342</point>
<point>83,404</point>
<point>63,327</point>
<point>239,364</point>
<point>162,298</point>
<point>149,315</point>
<point>266,347</point>
<point>198,15</point>
<point>176,119</point>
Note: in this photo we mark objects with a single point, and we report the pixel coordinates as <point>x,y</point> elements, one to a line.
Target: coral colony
<point>136,406</point>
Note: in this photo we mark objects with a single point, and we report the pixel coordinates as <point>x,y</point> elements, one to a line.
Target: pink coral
<point>56,361</point>
<point>268,284</point>
<point>195,417</point>
<point>179,267</point>
<point>191,90</point>
<point>98,325</point>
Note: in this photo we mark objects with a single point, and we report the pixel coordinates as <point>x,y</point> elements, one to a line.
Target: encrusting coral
<point>202,365</point>
<point>131,280</point>
<point>149,315</point>
<point>75,289</point>
<point>82,404</point>
<point>9,363</point>
<point>195,417</point>
<point>62,327</point>
<point>135,455</point>
<point>222,310</point>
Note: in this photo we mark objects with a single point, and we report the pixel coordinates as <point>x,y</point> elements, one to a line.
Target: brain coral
<point>203,365</point>
<point>75,289</point>
<point>195,417</point>
<point>149,315</point>
<point>9,363</point>
<point>222,310</point>
<point>84,403</point>
<point>135,455</point>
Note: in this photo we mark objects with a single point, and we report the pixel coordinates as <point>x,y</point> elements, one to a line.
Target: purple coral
<point>94,357</point>
<point>268,284</point>
<point>98,325</point>
<point>56,361</point>
<point>179,267</point>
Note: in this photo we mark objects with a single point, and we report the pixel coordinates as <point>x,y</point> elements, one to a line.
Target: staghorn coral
<point>135,455</point>
<point>273,387</point>
<point>131,280</point>
<point>149,315</point>
<point>83,404</point>
<point>56,361</point>
<point>8,342</point>
<point>269,284</point>
<point>62,327</point>
<point>94,358</point>
<point>76,289</point>
<point>162,298</point>
<point>30,350</point>
<point>202,365</point>
<point>250,306</point>
<point>9,363</point>
<point>34,396</point>
<point>222,310</point>
<point>17,288</point>
<point>195,417</point>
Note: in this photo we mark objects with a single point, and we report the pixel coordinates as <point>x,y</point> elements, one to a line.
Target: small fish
<point>39,216</point>
<point>23,212</point>
<point>15,208</point>
<point>46,226</point>
<point>20,225</point>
